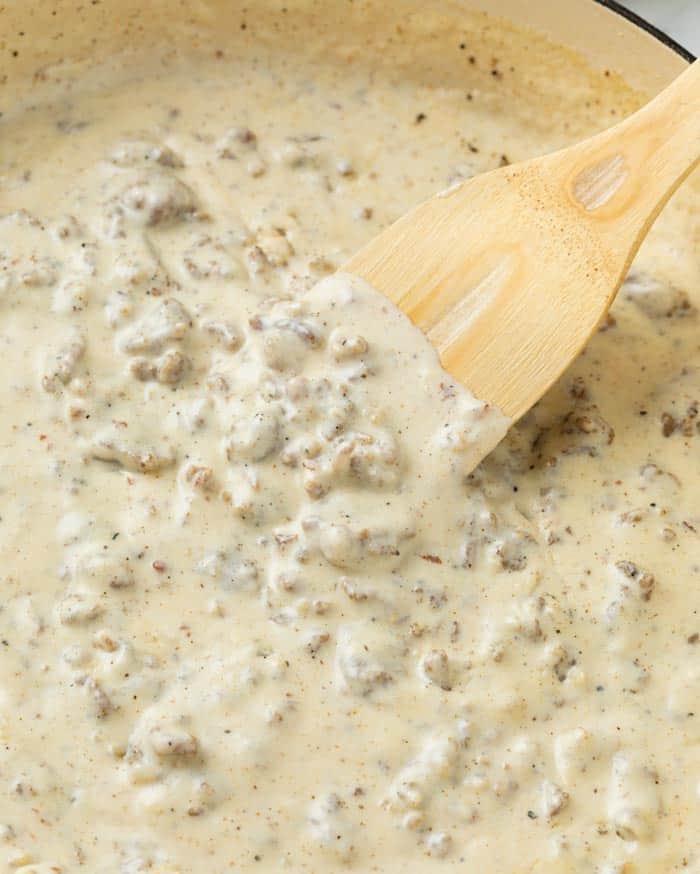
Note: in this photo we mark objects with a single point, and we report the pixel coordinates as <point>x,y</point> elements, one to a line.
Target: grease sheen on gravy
<point>256,614</point>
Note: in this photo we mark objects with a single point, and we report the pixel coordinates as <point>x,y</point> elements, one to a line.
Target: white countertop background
<point>680,19</point>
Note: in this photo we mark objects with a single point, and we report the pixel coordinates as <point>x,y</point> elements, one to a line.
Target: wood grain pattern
<point>510,272</point>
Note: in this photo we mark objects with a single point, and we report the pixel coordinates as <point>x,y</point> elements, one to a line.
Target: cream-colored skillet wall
<point>38,36</point>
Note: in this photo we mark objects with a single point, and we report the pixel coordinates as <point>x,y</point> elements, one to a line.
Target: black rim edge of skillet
<point>662,37</point>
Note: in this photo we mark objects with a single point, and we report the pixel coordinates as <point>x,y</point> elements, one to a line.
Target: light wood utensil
<point>509,273</point>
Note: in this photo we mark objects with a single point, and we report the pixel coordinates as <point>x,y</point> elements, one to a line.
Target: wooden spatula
<point>509,273</point>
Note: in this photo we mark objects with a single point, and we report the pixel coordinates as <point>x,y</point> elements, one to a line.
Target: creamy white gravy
<point>257,615</point>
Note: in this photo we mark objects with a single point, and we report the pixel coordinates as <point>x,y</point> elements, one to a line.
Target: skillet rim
<point>651,29</point>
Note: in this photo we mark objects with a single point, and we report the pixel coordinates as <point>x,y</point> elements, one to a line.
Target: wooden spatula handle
<point>622,177</point>
<point>509,272</point>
